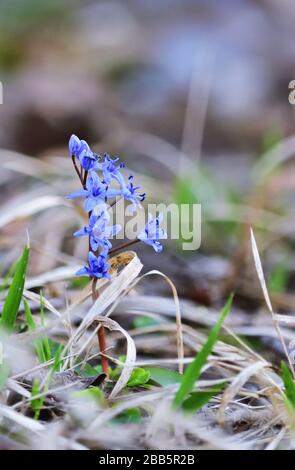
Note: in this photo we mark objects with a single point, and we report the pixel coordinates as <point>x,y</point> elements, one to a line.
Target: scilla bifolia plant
<point>96,173</point>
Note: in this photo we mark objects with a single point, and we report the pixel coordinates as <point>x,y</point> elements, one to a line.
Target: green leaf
<point>92,393</point>
<point>132,415</point>
<point>6,281</point>
<point>144,321</point>
<point>79,282</point>
<point>289,384</point>
<point>40,350</point>
<point>183,191</point>
<point>193,371</point>
<point>58,361</point>
<point>4,374</point>
<point>198,399</point>
<point>36,403</point>
<point>278,278</point>
<point>164,377</point>
<point>89,371</point>
<point>29,316</point>
<point>45,340</point>
<point>15,293</point>
<point>138,377</point>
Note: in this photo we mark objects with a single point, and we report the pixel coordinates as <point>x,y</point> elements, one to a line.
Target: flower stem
<point>101,335</point>
<point>124,245</point>
<point>77,170</point>
<point>85,178</point>
<point>95,294</point>
<point>115,202</point>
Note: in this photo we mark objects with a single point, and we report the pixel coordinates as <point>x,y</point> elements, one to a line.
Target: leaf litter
<point>246,407</point>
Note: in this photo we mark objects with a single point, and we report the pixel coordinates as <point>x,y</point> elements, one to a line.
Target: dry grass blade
<point>117,286</point>
<point>37,298</point>
<point>179,336</point>
<point>20,419</point>
<point>111,293</point>
<point>29,208</point>
<point>235,386</point>
<point>55,275</point>
<point>261,278</point>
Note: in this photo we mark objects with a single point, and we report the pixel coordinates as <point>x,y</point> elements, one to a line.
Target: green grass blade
<point>6,281</point>
<point>57,359</point>
<point>15,293</point>
<point>40,350</point>
<point>289,384</point>
<point>4,374</point>
<point>198,399</point>
<point>193,371</point>
<point>45,340</point>
<point>29,316</point>
<point>36,403</point>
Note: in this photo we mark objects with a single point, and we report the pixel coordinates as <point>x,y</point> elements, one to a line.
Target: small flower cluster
<point>96,173</point>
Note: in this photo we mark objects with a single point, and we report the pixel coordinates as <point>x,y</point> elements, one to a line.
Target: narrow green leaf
<point>45,340</point>
<point>15,293</point>
<point>143,321</point>
<point>29,316</point>
<point>198,399</point>
<point>6,281</point>
<point>4,374</point>
<point>193,371</point>
<point>40,350</point>
<point>164,377</point>
<point>57,359</point>
<point>36,403</point>
<point>289,384</point>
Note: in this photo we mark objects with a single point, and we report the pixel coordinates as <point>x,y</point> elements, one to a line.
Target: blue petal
<point>91,258</point>
<point>90,204</point>
<point>158,247</point>
<point>113,192</point>
<point>94,243</point>
<point>82,272</point>
<point>74,144</point>
<point>94,180</point>
<point>81,233</point>
<point>76,194</point>
<point>93,219</point>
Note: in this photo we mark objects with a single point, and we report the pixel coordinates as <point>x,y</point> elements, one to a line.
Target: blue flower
<point>74,145</point>
<point>81,150</point>
<point>95,193</point>
<point>88,160</point>
<point>152,233</point>
<point>97,267</point>
<point>129,192</point>
<point>109,168</point>
<point>99,231</point>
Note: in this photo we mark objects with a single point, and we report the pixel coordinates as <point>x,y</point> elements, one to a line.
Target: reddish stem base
<point>102,347</point>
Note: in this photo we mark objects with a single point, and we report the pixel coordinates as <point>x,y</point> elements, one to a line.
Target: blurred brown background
<point>100,67</point>
<point>191,93</point>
